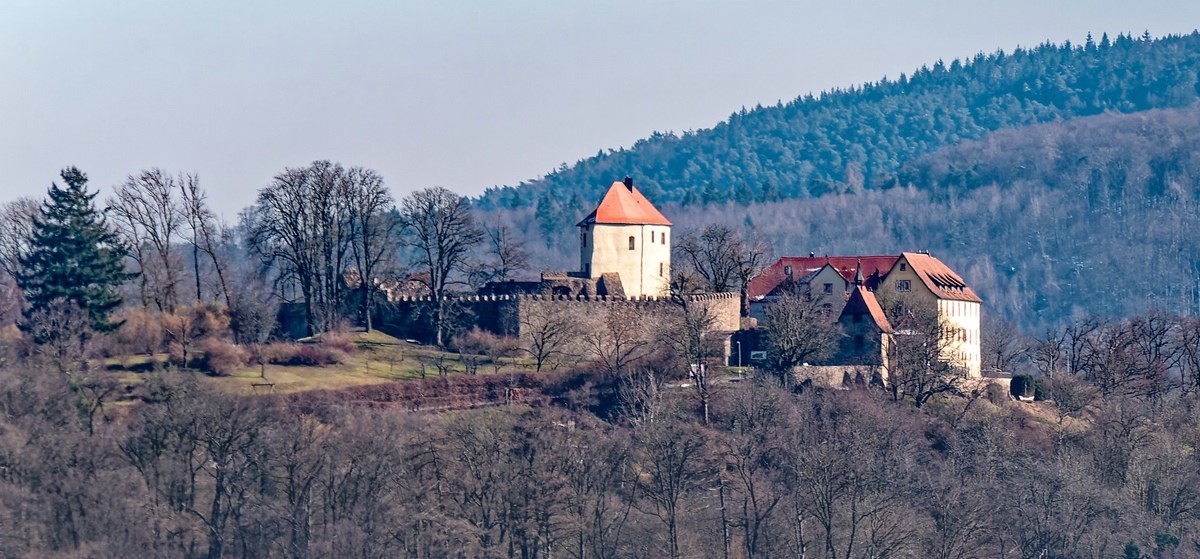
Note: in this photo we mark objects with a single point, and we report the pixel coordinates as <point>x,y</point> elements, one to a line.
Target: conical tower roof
<point>624,204</point>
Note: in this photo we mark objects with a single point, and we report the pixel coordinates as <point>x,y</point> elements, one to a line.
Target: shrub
<point>142,332</point>
<point>996,395</point>
<point>339,341</point>
<point>1022,386</point>
<point>304,355</point>
<point>221,358</point>
<point>1040,391</point>
<point>175,354</point>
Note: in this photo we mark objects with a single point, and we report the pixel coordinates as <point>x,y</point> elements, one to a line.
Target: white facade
<point>641,254</point>
<point>963,319</point>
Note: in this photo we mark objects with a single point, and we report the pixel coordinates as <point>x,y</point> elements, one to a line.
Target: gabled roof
<point>774,276</point>
<point>624,204</point>
<point>939,278</point>
<point>863,302</point>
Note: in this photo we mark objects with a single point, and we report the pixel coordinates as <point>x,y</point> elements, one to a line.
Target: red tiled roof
<point>625,205</point>
<point>939,278</point>
<point>771,278</point>
<point>863,302</point>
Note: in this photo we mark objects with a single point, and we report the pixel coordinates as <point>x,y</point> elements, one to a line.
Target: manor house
<point>861,288</point>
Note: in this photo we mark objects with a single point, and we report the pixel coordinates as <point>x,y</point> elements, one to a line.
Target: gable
<point>937,277</point>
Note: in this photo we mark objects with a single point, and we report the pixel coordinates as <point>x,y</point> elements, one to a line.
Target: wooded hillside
<point>861,137</point>
<point>1048,223</point>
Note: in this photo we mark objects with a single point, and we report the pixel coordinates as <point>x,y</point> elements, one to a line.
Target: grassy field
<point>379,358</point>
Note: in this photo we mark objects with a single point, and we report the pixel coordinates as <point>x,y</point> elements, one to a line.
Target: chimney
<point>812,255</point>
<point>629,183</point>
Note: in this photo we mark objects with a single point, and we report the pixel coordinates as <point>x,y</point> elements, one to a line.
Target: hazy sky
<point>461,94</point>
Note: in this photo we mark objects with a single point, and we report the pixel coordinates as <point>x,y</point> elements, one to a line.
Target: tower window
<point>660,269</point>
<point>652,236</point>
<point>631,242</point>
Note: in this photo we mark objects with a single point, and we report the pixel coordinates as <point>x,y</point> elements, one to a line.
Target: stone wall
<point>408,317</point>
<point>836,376</point>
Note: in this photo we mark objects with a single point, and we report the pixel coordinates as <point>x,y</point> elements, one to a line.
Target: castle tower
<point>628,236</point>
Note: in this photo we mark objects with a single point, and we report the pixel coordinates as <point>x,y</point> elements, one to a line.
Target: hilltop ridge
<point>860,137</point>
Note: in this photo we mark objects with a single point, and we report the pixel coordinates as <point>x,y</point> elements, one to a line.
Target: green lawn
<point>380,358</point>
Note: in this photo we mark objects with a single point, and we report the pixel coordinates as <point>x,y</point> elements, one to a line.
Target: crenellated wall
<point>501,314</point>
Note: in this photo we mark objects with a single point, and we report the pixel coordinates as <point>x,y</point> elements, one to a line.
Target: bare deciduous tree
<point>148,217</point>
<point>798,330</point>
<point>920,355</point>
<point>724,259</point>
<point>548,333</point>
<point>1187,342</point>
<point>670,462</point>
<point>440,229</point>
<point>687,331</point>
<point>374,225</point>
<point>618,338</point>
<point>1003,345</point>
<point>1070,396</point>
<point>205,235</point>
<point>507,254</point>
<point>16,228</point>
<point>305,222</point>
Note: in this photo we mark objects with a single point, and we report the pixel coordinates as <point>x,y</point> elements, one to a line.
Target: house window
<point>827,308</point>
<point>631,242</point>
<point>583,239</point>
<point>660,269</point>
<point>903,267</point>
<point>829,288</point>
<point>901,285</point>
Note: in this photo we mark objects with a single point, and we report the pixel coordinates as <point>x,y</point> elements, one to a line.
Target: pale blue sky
<point>463,94</point>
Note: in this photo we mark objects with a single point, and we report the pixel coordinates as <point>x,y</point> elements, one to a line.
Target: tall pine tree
<point>75,260</point>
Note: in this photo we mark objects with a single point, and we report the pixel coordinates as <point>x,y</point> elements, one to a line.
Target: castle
<point>625,264</point>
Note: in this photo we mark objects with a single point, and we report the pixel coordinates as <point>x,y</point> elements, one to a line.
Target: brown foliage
<point>303,355</point>
<point>221,357</point>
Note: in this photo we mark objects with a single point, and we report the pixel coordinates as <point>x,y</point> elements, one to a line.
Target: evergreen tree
<point>74,261</point>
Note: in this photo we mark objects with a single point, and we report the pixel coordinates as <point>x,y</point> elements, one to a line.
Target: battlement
<point>579,298</point>
<point>502,313</point>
